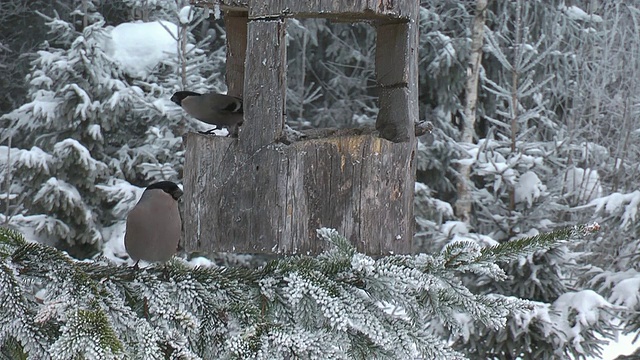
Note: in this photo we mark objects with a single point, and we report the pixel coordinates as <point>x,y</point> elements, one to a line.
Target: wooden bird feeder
<point>255,194</point>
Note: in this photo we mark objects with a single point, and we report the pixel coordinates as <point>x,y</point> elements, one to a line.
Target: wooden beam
<point>396,118</point>
<point>352,9</point>
<point>393,55</point>
<point>235,23</point>
<point>385,10</point>
<point>265,89</point>
<point>233,5</point>
<point>397,77</point>
<point>275,199</point>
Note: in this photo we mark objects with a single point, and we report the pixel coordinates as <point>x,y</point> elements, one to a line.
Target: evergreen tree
<point>519,175</point>
<point>66,119</point>
<point>339,305</point>
<point>99,128</point>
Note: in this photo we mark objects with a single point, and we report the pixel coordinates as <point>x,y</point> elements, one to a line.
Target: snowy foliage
<point>563,329</point>
<point>137,53</point>
<point>102,121</point>
<point>555,144</point>
<point>336,305</point>
<point>530,162</point>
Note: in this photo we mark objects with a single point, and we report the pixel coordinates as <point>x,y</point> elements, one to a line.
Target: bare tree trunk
<point>303,64</point>
<point>463,203</point>
<point>515,77</point>
<point>621,151</point>
<point>85,9</point>
<point>8,182</point>
<point>182,36</point>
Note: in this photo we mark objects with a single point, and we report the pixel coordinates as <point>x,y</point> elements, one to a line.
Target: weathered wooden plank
<point>396,117</point>
<point>234,5</point>
<point>353,9</point>
<point>336,9</point>
<point>392,54</point>
<point>396,73</point>
<point>264,90</point>
<point>235,23</point>
<point>275,199</point>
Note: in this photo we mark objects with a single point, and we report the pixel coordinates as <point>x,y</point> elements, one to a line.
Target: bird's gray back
<point>214,109</point>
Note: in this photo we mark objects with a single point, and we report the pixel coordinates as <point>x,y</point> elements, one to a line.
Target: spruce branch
<point>511,250</point>
<point>342,303</point>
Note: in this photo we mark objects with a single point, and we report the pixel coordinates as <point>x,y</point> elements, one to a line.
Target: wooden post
<point>275,199</point>
<point>265,87</point>
<point>256,194</point>
<point>235,23</point>
<point>397,75</point>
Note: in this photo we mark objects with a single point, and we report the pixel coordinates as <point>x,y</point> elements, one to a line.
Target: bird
<point>153,226</point>
<point>222,111</point>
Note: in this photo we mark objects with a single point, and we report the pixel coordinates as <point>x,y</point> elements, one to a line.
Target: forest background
<point>87,123</point>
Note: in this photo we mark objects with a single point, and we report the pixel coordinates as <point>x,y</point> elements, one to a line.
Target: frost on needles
<point>338,305</point>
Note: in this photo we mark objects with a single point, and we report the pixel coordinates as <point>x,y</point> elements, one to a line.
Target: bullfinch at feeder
<point>212,108</point>
<point>154,226</point>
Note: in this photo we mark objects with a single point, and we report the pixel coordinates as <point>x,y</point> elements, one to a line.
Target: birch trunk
<point>463,203</point>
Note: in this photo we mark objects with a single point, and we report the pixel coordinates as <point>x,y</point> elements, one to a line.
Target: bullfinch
<point>153,225</point>
<point>212,108</point>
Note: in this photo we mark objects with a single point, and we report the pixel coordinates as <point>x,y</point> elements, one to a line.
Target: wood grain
<point>235,23</point>
<point>274,199</point>
<point>265,88</point>
<point>353,9</point>
<point>397,77</point>
<point>254,194</point>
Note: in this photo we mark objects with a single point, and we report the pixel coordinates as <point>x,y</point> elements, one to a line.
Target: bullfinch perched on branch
<point>212,108</point>
<point>153,226</point>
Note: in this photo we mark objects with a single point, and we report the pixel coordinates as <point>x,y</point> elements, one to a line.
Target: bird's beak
<point>177,193</point>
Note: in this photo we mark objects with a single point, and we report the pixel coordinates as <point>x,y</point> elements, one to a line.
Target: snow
<point>217,14</point>
<point>95,131</point>
<point>446,55</point>
<point>418,186</point>
<point>586,303</point>
<point>71,147</point>
<point>25,225</point>
<point>201,261</point>
<point>587,306</point>
<point>34,158</point>
<point>62,190</point>
<point>613,203</point>
<point>113,248</point>
<point>529,188</point>
<point>575,13</point>
<point>86,105</point>
<point>126,194</point>
<point>454,227</point>
<point>139,47</point>
<point>627,292</point>
<point>583,183</point>
<point>501,171</point>
<point>44,105</point>
<point>47,229</point>
<point>623,346</point>
<point>186,15</point>
<point>443,208</point>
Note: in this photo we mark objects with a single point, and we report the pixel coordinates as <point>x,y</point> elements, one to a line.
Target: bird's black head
<point>181,95</point>
<point>167,186</point>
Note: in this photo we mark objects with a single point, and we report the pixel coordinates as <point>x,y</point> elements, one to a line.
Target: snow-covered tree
<point>98,123</point>
<point>338,305</point>
<point>520,177</point>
